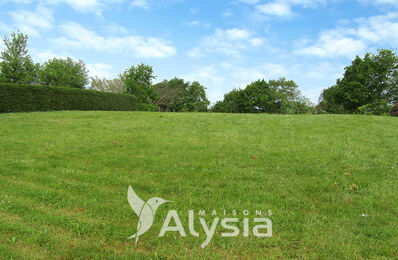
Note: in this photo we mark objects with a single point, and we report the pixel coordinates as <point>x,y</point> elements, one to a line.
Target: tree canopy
<point>16,65</point>
<point>138,81</point>
<point>108,85</point>
<point>177,95</point>
<point>64,72</point>
<point>274,96</point>
<point>370,82</point>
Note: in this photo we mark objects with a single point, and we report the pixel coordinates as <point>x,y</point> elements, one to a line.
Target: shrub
<point>25,98</point>
<point>377,108</point>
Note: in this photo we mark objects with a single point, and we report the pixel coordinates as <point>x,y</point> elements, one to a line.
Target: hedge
<point>26,98</point>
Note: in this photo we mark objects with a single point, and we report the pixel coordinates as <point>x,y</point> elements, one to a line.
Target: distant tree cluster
<point>17,66</point>
<point>108,85</point>
<point>176,95</point>
<point>369,86</point>
<point>273,96</point>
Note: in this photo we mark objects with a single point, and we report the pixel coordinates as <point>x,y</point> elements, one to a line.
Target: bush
<point>25,98</point>
<point>377,108</point>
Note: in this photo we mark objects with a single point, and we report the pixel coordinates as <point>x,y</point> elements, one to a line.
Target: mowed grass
<point>331,182</point>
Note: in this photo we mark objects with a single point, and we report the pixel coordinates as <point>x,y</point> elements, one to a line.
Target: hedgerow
<point>26,98</point>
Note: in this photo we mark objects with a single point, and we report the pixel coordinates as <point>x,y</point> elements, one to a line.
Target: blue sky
<point>222,44</point>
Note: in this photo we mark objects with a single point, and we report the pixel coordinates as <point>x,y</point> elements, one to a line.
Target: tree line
<point>369,85</point>
<point>17,66</point>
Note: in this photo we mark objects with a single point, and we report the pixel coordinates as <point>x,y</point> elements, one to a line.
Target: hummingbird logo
<point>145,211</point>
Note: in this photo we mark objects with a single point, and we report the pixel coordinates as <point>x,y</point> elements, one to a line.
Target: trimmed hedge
<point>25,98</point>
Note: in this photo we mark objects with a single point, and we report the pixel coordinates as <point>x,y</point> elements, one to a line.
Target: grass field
<point>331,182</point>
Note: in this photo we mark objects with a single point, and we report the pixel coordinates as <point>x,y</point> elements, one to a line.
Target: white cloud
<point>198,23</point>
<point>380,2</point>
<point>30,22</point>
<point>264,71</point>
<point>78,5</point>
<point>207,73</point>
<point>77,36</point>
<point>228,42</point>
<point>144,4</point>
<point>280,8</point>
<point>116,29</point>
<point>381,30</point>
<point>83,6</point>
<point>334,43</point>
<point>275,9</point>
<point>235,34</point>
<point>195,53</point>
<point>100,70</point>
<point>249,1</point>
<point>48,55</point>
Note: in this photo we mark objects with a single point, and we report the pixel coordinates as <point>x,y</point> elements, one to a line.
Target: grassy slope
<point>64,179</point>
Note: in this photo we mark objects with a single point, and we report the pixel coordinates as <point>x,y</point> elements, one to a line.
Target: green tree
<point>108,85</point>
<point>195,98</point>
<point>367,82</point>
<point>177,95</point>
<point>236,101</point>
<point>16,65</point>
<point>260,97</point>
<point>64,72</point>
<point>274,96</point>
<point>138,81</point>
<point>170,95</point>
<point>287,98</point>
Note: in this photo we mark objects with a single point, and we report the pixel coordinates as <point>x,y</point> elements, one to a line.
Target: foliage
<point>366,82</point>
<point>274,96</point>
<point>170,94</point>
<point>378,108</point>
<point>24,98</point>
<point>108,85</point>
<point>64,72</point>
<point>177,95</point>
<point>16,65</point>
<point>235,101</point>
<point>138,81</point>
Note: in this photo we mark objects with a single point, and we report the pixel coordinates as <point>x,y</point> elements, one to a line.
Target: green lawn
<point>331,182</point>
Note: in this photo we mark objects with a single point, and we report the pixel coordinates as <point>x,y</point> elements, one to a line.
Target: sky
<point>223,44</point>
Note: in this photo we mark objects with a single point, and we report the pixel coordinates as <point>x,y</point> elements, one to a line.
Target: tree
<point>108,85</point>
<point>177,95</point>
<point>195,98</point>
<point>64,72</point>
<point>138,81</point>
<point>170,95</point>
<point>287,98</point>
<point>274,96</point>
<point>260,97</point>
<point>367,82</point>
<point>16,65</point>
